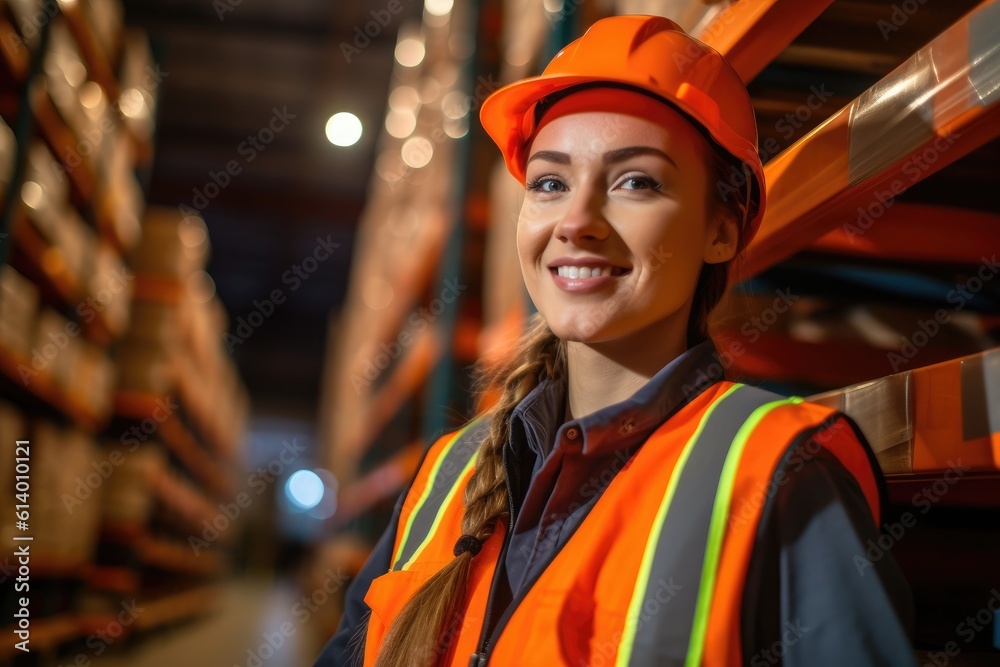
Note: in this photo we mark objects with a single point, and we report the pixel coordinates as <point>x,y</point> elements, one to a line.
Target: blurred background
<point>250,252</point>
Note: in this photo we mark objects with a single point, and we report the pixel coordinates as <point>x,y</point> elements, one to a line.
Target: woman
<point>623,504</point>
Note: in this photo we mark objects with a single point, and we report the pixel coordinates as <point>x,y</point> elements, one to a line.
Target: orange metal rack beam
<point>751,33</point>
<point>917,233</point>
<point>936,107</point>
<point>412,369</point>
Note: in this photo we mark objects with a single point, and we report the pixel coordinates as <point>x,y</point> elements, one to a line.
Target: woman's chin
<point>581,331</point>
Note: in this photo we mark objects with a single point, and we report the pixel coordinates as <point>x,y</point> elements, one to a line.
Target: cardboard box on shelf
<point>119,201</point>
<point>128,497</point>
<point>154,322</point>
<point>95,374</point>
<point>65,503</point>
<point>77,244</point>
<point>8,153</point>
<point>172,244</point>
<point>139,89</point>
<point>85,474</point>
<point>105,18</point>
<point>46,470</point>
<point>57,347</point>
<point>18,311</point>
<point>110,289</point>
<point>26,13</point>
<point>12,429</point>
<point>146,367</point>
<point>45,191</point>
<point>66,79</point>
<point>929,419</point>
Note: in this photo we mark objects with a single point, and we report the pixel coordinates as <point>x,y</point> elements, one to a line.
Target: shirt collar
<point>539,416</point>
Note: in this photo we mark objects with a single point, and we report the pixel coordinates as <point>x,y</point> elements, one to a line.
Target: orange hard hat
<point>652,54</point>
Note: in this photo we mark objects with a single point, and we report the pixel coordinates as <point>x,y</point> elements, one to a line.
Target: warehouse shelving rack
<point>132,560</point>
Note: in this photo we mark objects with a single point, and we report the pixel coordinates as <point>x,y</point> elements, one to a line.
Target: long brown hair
<point>427,626</point>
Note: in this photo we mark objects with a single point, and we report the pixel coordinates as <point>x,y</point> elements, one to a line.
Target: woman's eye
<point>546,185</point>
<point>640,183</point>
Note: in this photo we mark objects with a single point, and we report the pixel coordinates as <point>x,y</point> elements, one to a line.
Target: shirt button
<point>572,433</point>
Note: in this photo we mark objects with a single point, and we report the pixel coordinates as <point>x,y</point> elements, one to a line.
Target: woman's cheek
<point>532,237</point>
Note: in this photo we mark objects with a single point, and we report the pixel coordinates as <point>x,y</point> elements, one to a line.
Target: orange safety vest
<point>654,575</point>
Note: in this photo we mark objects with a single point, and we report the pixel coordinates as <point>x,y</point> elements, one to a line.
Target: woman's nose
<point>584,218</point>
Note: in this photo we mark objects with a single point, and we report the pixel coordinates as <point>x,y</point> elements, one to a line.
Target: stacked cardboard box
<point>8,152</point>
<point>128,498</point>
<point>174,343</point>
<point>18,311</point>
<point>65,484</point>
<point>12,429</point>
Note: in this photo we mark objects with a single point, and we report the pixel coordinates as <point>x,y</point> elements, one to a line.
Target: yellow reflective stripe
<point>441,510</point>
<point>717,528</point>
<point>431,478</point>
<point>635,604</point>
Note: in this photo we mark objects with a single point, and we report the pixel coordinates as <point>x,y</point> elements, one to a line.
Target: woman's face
<point>625,196</point>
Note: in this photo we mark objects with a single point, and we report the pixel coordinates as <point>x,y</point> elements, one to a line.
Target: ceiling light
<point>343,129</point>
<point>410,52</point>
<point>438,7</point>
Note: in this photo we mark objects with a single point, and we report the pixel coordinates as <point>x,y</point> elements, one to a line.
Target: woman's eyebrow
<point>551,156</point>
<point>610,157</point>
<point>620,154</point>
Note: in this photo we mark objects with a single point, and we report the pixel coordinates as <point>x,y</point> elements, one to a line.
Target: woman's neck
<point>602,374</point>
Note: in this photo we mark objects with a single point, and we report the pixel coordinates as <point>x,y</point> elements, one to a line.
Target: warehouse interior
<point>251,252</point>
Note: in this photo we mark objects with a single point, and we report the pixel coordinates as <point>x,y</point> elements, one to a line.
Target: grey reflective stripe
<point>663,628</point>
<point>449,468</point>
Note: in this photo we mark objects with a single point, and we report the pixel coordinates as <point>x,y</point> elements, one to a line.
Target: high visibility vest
<point>654,575</point>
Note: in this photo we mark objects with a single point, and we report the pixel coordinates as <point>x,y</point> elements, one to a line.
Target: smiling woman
<point>609,508</point>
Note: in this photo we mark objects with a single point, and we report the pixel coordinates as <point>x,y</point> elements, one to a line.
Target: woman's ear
<point>723,237</point>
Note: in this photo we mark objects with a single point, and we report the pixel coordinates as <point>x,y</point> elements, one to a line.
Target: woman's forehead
<point>599,131</point>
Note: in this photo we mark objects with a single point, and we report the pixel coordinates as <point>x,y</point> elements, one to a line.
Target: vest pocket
<point>386,597</point>
<point>388,593</point>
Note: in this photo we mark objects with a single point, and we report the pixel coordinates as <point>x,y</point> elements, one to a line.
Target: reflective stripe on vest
<point>454,462</point>
<point>699,492</point>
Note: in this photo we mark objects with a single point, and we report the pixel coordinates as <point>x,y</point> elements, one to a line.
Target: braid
<point>426,626</point>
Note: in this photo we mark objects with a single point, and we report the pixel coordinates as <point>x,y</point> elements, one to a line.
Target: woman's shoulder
<point>795,414</point>
<point>454,448</point>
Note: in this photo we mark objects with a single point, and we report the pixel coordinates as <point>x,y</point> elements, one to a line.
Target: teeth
<point>584,271</point>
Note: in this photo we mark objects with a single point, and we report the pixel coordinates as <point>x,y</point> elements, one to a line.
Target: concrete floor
<point>256,626</point>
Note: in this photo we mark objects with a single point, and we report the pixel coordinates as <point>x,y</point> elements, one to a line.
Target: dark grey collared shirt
<point>806,601</point>
<point>568,465</point>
